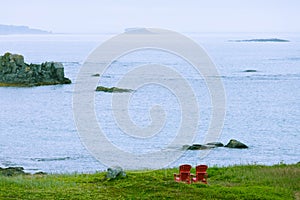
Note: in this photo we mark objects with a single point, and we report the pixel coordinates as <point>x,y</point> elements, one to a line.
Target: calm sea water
<point>38,132</point>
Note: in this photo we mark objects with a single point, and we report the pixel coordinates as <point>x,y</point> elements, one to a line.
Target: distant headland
<point>261,40</point>
<point>12,29</point>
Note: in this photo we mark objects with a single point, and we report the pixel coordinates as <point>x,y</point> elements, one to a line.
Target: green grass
<point>236,182</point>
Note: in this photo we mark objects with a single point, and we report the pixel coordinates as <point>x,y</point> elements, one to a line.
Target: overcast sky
<point>95,16</point>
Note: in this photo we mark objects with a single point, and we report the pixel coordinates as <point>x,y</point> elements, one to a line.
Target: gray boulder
<point>236,144</point>
<point>115,172</point>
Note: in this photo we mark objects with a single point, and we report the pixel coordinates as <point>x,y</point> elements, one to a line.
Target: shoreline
<point>237,182</point>
<point>38,172</point>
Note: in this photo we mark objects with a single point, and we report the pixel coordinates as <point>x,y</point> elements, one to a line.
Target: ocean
<point>38,130</point>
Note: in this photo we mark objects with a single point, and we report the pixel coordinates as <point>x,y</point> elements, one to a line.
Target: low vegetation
<point>235,182</point>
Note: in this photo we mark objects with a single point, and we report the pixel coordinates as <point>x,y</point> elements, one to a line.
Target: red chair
<point>201,174</point>
<point>184,174</point>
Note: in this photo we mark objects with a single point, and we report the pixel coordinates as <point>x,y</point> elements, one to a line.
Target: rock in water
<point>12,171</point>
<point>115,172</point>
<point>15,72</point>
<point>250,70</point>
<point>236,144</point>
<point>198,147</point>
<point>112,89</point>
<point>216,144</point>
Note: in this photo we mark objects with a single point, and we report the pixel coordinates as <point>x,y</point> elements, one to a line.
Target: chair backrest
<point>185,168</point>
<point>201,168</point>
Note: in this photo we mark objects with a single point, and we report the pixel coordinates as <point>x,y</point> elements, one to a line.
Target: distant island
<point>261,40</point>
<point>12,29</point>
<point>137,30</point>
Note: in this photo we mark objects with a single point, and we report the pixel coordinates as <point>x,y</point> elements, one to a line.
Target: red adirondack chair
<point>201,174</point>
<point>184,174</point>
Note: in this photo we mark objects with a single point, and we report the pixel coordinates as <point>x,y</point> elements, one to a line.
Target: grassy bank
<point>237,182</point>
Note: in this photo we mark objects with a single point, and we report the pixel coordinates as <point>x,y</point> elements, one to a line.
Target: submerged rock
<point>236,144</point>
<point>250,70</point>
<point>216,144</point>
<point>115,172</point>
<point>12,171</point>
<point>209,145</point>
<point>112,89</point>
<point>198,147</point>
<point>15,72</point>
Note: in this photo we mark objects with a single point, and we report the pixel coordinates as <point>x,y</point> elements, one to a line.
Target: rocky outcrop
<point>12,171</point>
<point>203,146</point>
<point>112,89</point>
<point>15,72</point>
<point>236,144</point>
<point>231,144</point>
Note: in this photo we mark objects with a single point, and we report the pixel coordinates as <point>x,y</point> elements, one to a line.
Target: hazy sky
<point>84,16</point>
